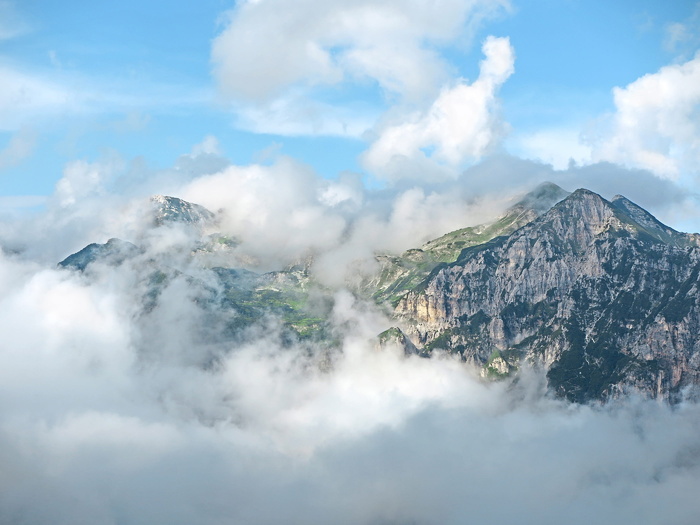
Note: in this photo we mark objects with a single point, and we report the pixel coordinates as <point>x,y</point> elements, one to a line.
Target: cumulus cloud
<point>462,124</point>
<point>325,42</point>
<point>655,125</point>
<point>209,146</point>
<point>275,57</point>
<point>282,212</point>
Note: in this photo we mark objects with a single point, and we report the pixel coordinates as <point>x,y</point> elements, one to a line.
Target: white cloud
<point>92,433</point>
<point>285,212</point>
<point>555,146</point>
<point>274,209</point>
<point>270,45</point>
<point>80,180</point>
<point>461,125</point>
<point>656,123</point>
<point>274,57</point>
<point>116,412</point>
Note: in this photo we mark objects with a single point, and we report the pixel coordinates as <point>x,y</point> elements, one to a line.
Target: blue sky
<point>380,88</point>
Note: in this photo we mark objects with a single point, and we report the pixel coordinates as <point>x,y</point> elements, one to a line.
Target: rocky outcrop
<point>600,293</point>
<point>167,209</point>
<point>400,274</point>
<point>114,252</point>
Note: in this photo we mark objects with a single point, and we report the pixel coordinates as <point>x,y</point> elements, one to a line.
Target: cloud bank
<point>109,416</point>
<point>121,408</point>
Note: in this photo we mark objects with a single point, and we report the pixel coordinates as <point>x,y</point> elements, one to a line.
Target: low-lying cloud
<point>97,428</point>
<point>121,406</point>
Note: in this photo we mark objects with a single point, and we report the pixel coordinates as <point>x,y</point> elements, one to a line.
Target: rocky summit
<point>167,209</point>
<point>599,294</point>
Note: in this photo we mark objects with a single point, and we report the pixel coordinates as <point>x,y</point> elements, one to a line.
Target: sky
<point>323,131</point>
<point>393,91</point>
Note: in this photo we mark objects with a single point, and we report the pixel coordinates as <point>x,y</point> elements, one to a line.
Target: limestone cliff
<point>600,293</point>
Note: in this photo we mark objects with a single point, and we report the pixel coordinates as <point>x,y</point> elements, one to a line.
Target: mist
<point>118,408</point>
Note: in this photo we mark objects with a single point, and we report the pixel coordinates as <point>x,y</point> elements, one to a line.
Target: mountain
<point>171,209</point>
<point>113,252</point>
<point>399,274</point>
<point>231,298</point>
<point>599,293</point>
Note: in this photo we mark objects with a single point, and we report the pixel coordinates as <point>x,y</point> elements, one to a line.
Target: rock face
<point>400,274</point>
<point>171,209</point>
<point>600,293</point>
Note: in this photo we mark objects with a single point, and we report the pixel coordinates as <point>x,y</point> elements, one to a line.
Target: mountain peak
<point>600,293</point>
<point>583,193</point>
<point>649,224</point>
<point>173,209</point>
<point>113,252</point>
<point>543,197</point>
<point>587,209</point>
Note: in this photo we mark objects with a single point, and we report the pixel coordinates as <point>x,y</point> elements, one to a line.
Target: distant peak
<point>173,209</point>
<point>587,192</point>
<point>543,197</point>
<point>587,196</point>
<point>547,186</point>
<point>162,199</point>
<point>623,203</point>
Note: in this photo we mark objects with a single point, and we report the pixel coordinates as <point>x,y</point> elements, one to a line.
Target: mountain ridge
<point>398,274</point>
<point>566,292</point>
<point>599,294</point>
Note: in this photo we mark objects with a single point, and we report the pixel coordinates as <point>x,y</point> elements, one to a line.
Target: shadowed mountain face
<point>599,293</point>
<point>113,252</point>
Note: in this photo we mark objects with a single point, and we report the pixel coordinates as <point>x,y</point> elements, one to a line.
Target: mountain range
<point>599,294</point>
